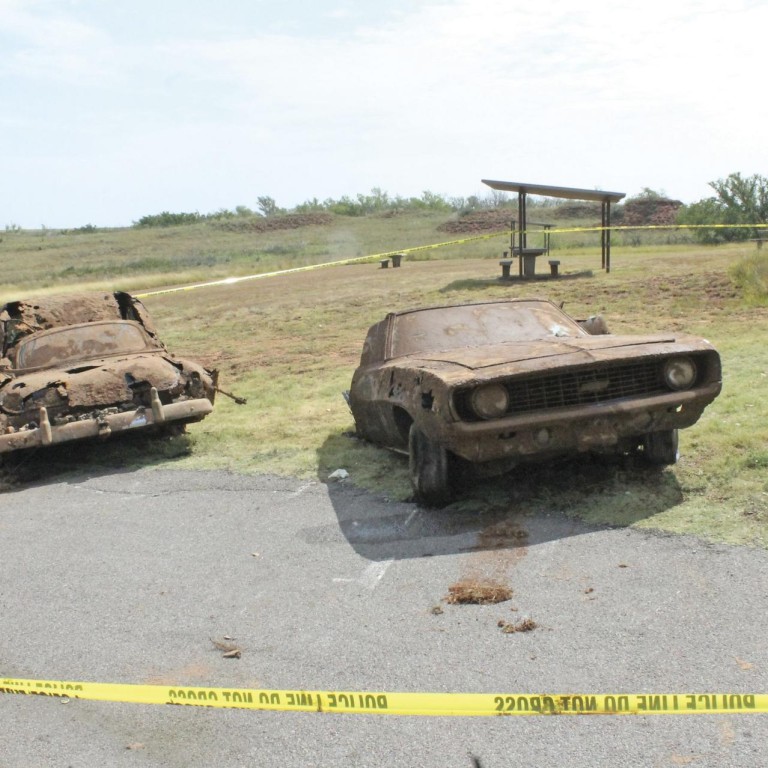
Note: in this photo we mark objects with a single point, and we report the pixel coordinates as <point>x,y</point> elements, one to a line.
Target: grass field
<point>290,343</point>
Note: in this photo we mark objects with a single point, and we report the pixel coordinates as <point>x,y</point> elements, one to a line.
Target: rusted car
<point>91,365</point>
<point>487,386</point>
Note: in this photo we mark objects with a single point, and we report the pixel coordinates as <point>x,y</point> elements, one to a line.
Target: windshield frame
<point>17,353</point>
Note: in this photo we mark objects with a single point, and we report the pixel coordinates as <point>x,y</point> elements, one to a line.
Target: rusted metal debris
<point>488,386</point>
<point>238,400</point>
<point>91,365</point>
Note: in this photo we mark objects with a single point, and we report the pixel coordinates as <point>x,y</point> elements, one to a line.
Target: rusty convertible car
<point>488,386</point>
<point>91,365</point>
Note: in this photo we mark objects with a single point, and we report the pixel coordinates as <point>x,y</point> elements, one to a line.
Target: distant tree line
<point>738,200</point>
<point>376,202</point>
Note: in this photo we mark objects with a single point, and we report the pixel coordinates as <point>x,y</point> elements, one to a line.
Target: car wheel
<point>428,465</point>
<point>660,448</point>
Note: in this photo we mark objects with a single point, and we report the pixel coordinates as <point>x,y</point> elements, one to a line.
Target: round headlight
<point>679,372</point>
<point>489,401</point>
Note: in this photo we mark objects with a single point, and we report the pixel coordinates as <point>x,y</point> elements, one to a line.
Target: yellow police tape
<point>379,703</point>
<point>432,246</point>
<point>309,267</point>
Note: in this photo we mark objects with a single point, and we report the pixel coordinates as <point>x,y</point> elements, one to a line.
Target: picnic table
<point>528,257</point>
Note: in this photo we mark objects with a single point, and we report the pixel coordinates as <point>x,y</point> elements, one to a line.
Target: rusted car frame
<point>495,384</point>
<point>91,365</point>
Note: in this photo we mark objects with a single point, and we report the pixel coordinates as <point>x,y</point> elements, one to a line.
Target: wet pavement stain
<point>486,572</point>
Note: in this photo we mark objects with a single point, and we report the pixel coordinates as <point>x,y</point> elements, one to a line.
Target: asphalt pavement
<point>129,577</point>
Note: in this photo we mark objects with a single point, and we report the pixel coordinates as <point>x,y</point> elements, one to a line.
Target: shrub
<point>167,219</point>
<point>751,275</point>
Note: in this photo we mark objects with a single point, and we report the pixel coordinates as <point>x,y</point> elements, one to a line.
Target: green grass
<point>146,258</point>
<point>751,275</point>
<point>289,344</point>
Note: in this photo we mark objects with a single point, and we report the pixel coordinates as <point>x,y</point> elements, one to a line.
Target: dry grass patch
<point>478,592</point>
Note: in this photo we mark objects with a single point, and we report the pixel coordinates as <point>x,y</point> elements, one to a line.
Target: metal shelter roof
<point>570,193</point>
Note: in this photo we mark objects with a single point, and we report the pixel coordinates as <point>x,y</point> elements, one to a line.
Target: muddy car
<point>91,365</point>
<point>488,386</point>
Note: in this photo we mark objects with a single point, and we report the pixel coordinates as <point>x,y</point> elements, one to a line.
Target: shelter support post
<point>569,193</point>
<point>605,235</point>
<point>522,218</point>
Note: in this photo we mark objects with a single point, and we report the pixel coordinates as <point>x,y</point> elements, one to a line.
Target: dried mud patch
<point>504,534</point>
<point>486,572</point>
<point>478,592</point>
<point>189,674</point>
<point>523,625</point>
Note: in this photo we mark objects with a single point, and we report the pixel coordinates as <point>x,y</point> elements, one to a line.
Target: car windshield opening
<point>471,325</point>
<point>67,345</point>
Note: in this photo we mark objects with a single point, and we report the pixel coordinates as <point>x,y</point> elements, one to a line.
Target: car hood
<point>570,350</point>
<point>101,381</point>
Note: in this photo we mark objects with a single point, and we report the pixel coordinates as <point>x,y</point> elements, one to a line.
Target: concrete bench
<point>396,260</point>
<point>505,265</point>
<point>554,265</point>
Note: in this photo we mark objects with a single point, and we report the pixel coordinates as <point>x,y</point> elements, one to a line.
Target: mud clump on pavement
<point>478,592</point>
<point>524,625</point>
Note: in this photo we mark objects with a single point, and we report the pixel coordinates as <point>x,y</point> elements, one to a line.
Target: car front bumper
<point>103,426</point>
<point>593,428</point>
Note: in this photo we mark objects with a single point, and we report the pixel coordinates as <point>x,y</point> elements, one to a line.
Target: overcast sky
<point>113,110</point>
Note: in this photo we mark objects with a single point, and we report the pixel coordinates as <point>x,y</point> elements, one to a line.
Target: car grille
<point>585,386</point>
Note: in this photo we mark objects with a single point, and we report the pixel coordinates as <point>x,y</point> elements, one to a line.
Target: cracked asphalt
<point>127,576</point>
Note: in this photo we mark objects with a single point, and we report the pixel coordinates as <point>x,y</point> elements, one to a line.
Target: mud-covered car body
<point>90,365</point>
<point>499,383</point>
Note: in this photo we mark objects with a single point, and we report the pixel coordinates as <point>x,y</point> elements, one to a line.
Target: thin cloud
<point>424,96</point>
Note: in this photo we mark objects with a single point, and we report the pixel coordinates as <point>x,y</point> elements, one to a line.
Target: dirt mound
<point>656,211</point>
<point>577,210</point>
<point>272,223</point>
<point>493,220</point>
<point>634,213</point>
